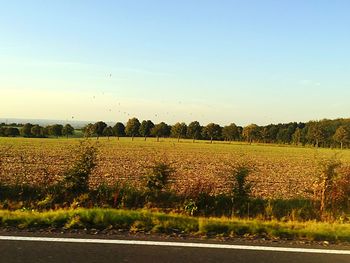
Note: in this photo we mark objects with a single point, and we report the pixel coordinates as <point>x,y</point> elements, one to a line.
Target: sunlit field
<point>279,171</point>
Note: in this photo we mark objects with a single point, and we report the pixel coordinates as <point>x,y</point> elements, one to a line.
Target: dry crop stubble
<point>279,172</point>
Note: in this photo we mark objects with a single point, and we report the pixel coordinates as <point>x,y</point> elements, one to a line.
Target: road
<point>101,250</point>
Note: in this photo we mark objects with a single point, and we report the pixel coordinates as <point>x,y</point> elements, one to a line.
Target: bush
<point>76,179</point>
<point>341,190</point>
<point>325,186</point>
<point>157,178</point>
<point>241,189</point>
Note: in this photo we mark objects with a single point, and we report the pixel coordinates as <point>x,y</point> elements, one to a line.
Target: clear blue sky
<point>213,61</point>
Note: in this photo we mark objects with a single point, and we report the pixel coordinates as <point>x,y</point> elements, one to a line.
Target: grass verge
<point>155,222</point>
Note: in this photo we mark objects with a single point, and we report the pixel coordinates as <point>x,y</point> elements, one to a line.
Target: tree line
<point>29,130</point>
<point>323,133</point>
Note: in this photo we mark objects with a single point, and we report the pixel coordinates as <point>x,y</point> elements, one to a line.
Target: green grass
<point>186,144</point>
<point>155,222</point>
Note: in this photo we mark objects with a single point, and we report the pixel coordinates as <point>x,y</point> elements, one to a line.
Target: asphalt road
<point>34,251</point>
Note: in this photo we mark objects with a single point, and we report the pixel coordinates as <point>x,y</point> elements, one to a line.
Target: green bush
<point>157,180</point>
<point>241,189</point>
<point>76,179</point>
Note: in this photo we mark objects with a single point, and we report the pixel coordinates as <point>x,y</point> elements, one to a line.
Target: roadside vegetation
<point>156,222</point>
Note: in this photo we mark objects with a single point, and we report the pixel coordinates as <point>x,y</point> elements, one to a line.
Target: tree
<point>167,131</point>
<point>132,127</point>
<point>26,130</point>
<point>37,131</point>
<point>296,137</point>
<point>251,133</point>
<point>213,131</point>
<point>282,136</point>
<point>264,133</point>
<point>88,130</point>
<point>230,132</point>
<point>119,129</point>
<point>316,132</point>
<point>56,130</point>
<point>67,130</point>
<point>179,130</point>
<point>194,130</point>
<point>46,131</point>
<point>108,131</point>
<point>11,132</point>
<point>2,130</point>
<point>99,128</point>
<point>342,135</point>
<point>272,133</point>
<point>145,128</point>
<point>159,130</point>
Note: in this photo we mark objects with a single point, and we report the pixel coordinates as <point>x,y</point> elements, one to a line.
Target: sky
<point>213,61</point>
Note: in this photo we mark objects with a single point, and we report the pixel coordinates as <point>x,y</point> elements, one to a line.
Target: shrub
<point>325,185</point>
<point>341,190</point>
<point>76,179</point>
<point>157,178</point>
<point>241,189</point>
<point>190,207</point>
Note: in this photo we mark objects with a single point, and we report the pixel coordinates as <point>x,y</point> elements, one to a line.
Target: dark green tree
<point>56,130</point>
<point>132,127</point>
<point>67,130</point>
<point>26,130</point>
<point>160,130</point>
<point>282,136</point>
<point>108,131</point>
<point>88,130</point>
<point>194,130</point>
<point>251,133</point>
<point>145,128</point>
<point>213,131</point>
<point>2,130</point>
<point>272,133</point>
<point>37,131</point>
<point>99,128</point>
<point>179,130</point>
<point>119,130</point>
<point>316,133</point>
<point>11,132</point>
<point>342,135</point>
<point>296,137</point>
<point>230,132</point>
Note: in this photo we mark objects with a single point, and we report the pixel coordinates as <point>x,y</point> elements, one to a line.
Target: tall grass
<point>155,222</point>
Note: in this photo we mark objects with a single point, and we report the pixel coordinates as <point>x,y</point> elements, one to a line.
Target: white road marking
<point>176,244</point>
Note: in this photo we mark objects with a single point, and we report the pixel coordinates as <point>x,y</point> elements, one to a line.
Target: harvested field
<point>279,171</point>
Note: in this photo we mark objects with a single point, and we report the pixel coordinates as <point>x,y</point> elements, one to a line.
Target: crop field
<point>279,171</point>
